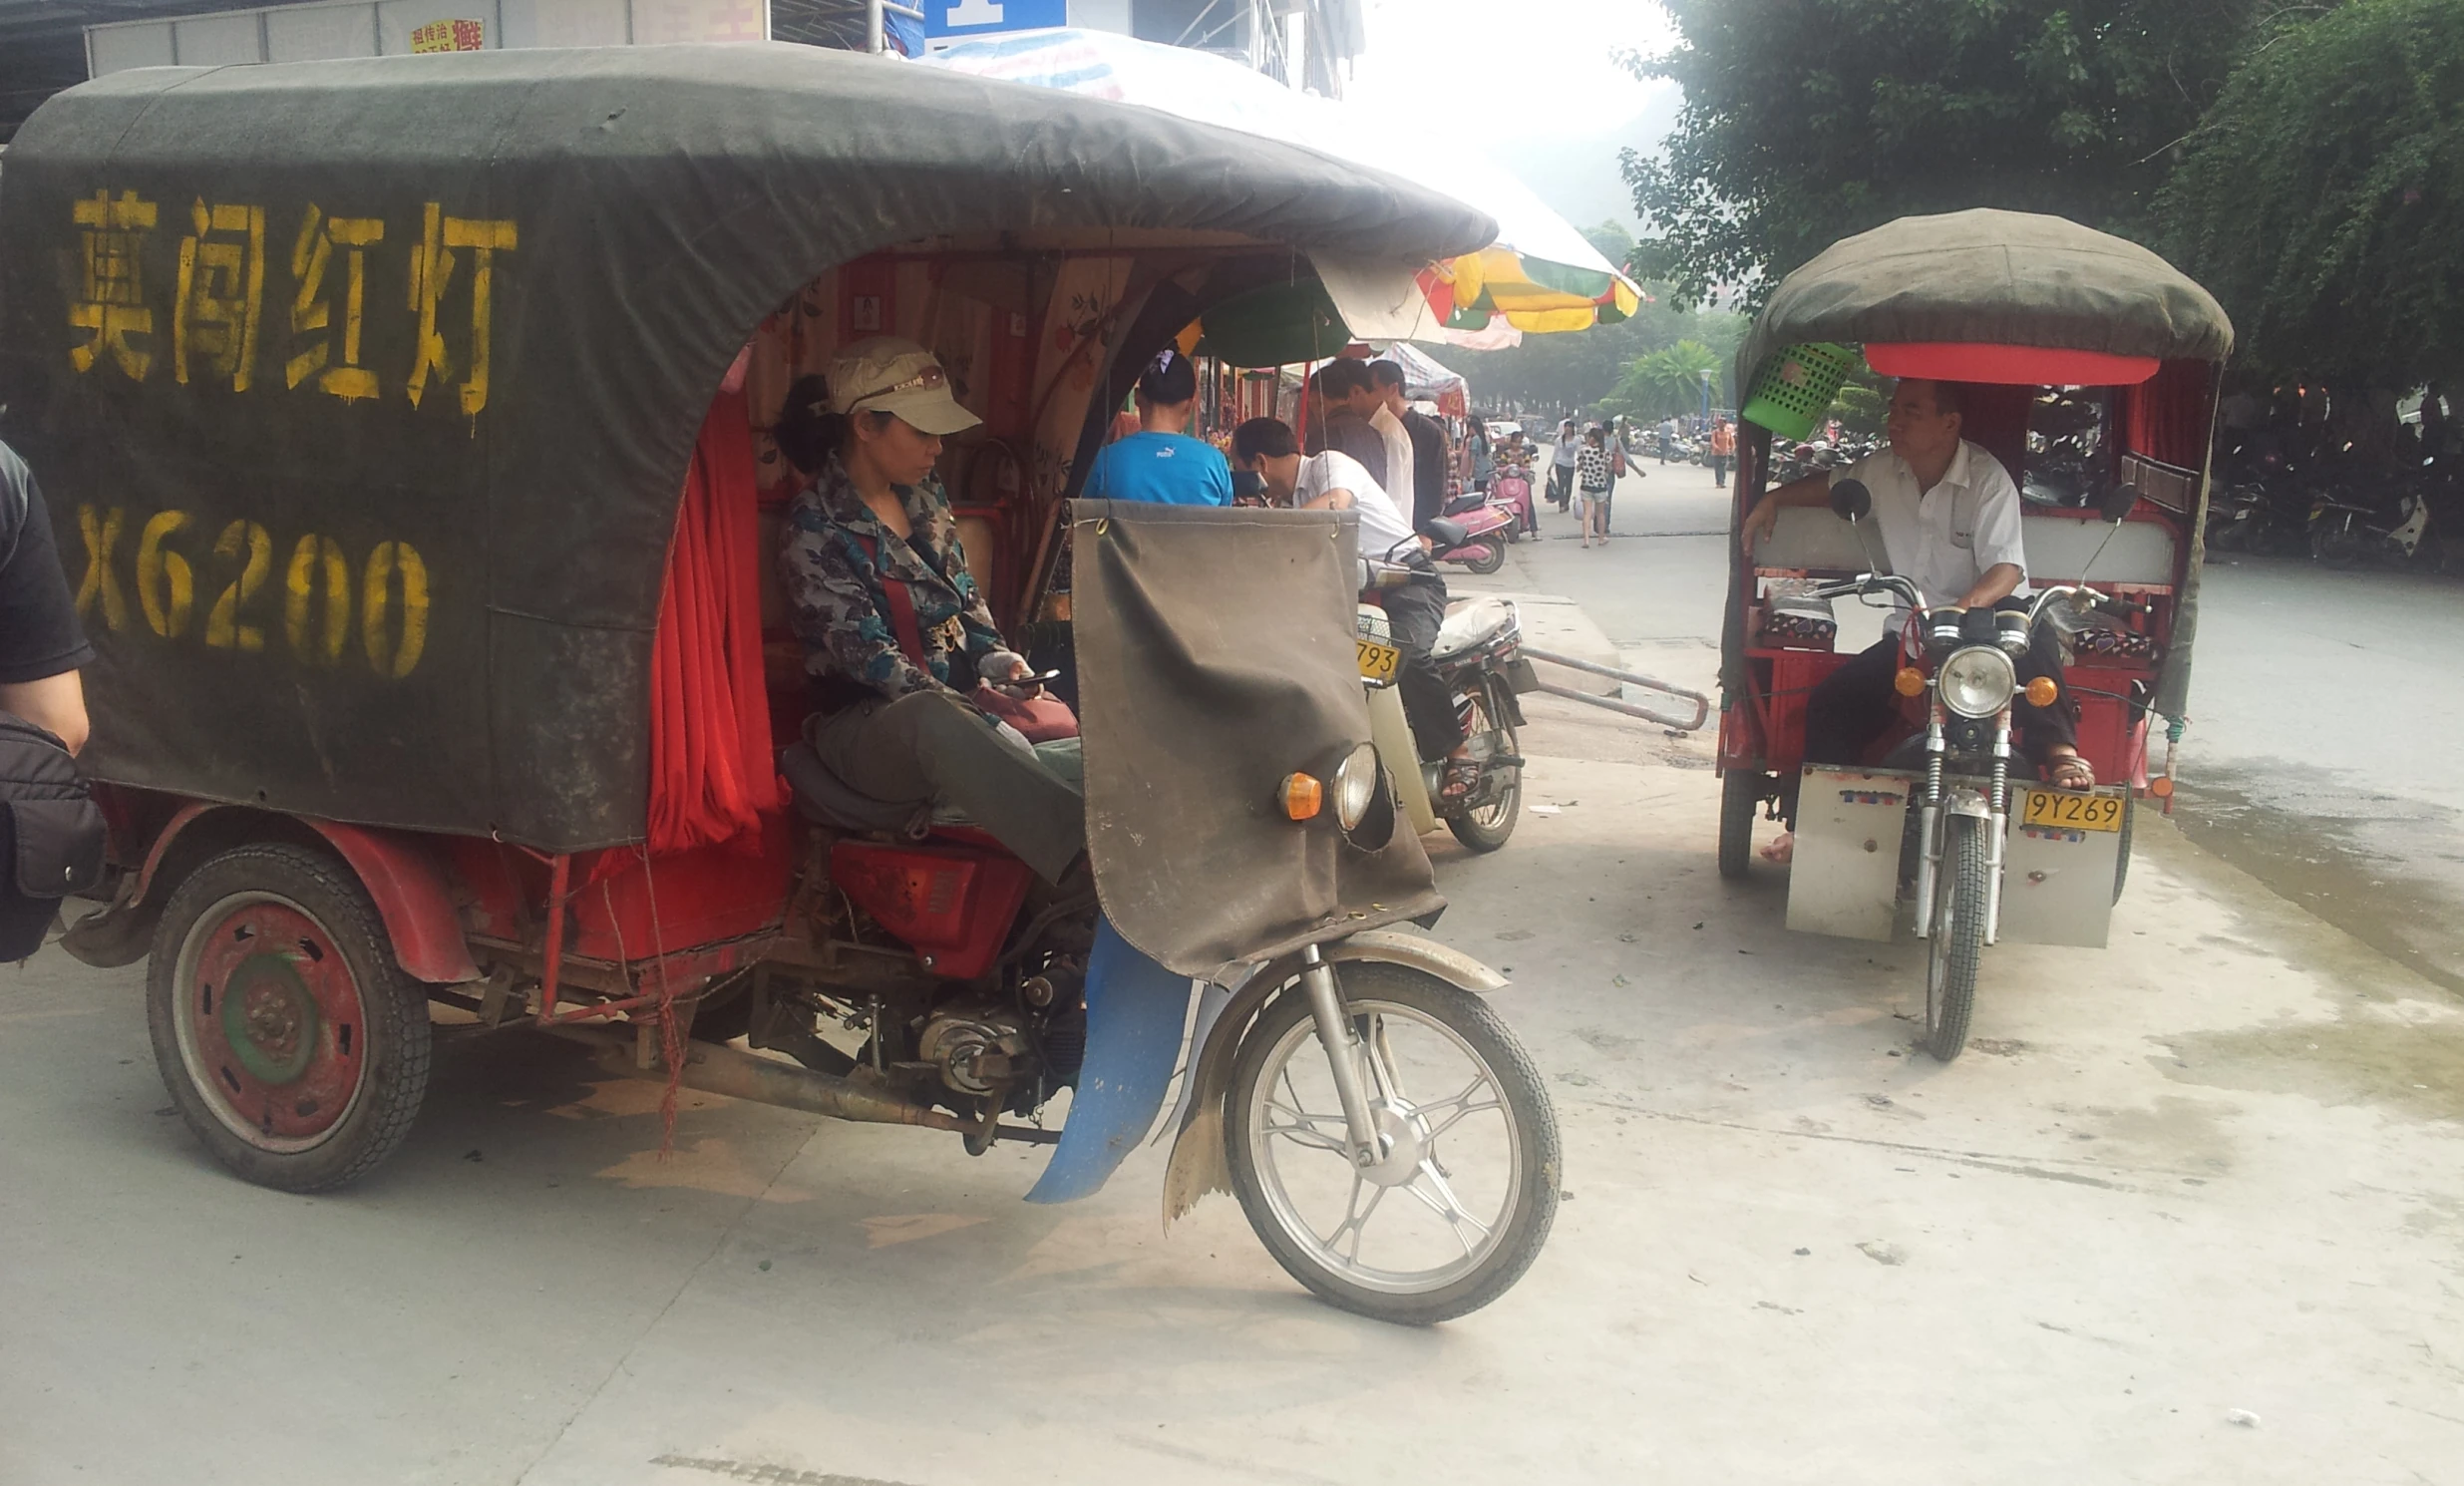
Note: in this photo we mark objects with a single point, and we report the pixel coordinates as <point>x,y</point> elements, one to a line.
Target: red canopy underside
<point>2026,366</point>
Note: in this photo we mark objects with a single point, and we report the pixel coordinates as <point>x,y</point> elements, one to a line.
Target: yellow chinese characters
<point>432,275</point>
<point>311,253</point>
<point>113,308</point>
<point>221,292</point>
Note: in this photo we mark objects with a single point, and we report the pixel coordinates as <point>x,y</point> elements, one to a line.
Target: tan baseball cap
<point>888,375</point>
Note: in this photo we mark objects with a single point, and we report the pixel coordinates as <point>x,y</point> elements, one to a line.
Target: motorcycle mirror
<point>2120,501</point>
<point>1249,485</point>
<point>1851,501</point>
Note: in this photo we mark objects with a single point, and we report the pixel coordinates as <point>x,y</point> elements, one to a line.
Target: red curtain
<point>711,773</point>
<point>2166,417</point>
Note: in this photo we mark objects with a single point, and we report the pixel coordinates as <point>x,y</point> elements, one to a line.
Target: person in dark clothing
<point>1344,398</point>
<point>1430,457</point>
<point>42,645</point>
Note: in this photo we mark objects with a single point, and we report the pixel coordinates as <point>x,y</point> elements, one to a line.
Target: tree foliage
<point>1806,121</point>
<point>2322,200</point>
<point>1668,380</point>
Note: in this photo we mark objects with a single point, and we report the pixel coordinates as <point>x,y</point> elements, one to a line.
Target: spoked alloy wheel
<point>291,1042</point>
<point>1464,1195</point>
<point>1958,936</point>
<point>1486,827</point>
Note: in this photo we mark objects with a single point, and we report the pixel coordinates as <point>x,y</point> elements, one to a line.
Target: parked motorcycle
<point>1479,653</point>
<point>1486,528</point>
<point>2344,532</point>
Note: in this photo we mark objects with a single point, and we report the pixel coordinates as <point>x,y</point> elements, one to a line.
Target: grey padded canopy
<point>2011,278</point>
<point>633,213</point>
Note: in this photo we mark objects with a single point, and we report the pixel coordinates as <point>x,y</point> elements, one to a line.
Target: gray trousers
<point>929,745</point>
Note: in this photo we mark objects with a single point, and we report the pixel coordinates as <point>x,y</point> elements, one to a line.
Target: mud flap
<point>1135,1012</point>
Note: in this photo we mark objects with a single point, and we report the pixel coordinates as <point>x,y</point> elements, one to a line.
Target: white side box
<point>1845,876</point>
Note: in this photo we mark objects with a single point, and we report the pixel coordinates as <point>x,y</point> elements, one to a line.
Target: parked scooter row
<point>2341,509</point>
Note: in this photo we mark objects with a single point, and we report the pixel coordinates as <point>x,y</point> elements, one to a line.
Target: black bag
<point>51,833</point>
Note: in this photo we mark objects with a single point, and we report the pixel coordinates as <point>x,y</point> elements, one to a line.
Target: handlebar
<point>1906,591</point>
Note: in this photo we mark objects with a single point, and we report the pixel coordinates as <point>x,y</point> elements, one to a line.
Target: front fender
<point>1198,1165</point>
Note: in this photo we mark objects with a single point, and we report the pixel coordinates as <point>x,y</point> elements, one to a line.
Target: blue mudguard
<point>1136,1009</point>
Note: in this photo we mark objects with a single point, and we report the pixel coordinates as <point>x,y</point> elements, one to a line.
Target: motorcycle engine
<point>978,1047</point>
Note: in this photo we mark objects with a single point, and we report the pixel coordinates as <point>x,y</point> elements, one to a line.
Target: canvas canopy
<point>2007,278</point>
<point>363,391</point>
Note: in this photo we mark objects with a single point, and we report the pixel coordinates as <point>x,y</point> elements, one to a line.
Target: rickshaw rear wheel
<point>292,1042</point>
<point>1956,937</point>
<point>1285,1140</point>
<point>1741,793</point>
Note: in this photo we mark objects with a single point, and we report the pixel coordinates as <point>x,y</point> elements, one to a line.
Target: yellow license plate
<point>2068,812</point>
<point>1379,662</point>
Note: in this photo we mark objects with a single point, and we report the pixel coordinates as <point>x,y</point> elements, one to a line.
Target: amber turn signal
<point>1303,796</point>
<point>1909,681</point>
<point>2042,691</point>
<point>2161,787</point>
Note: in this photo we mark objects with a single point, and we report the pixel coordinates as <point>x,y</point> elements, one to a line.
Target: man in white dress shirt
<point>1948,514</point>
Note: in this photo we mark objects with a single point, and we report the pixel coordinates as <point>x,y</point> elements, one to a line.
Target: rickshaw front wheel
<point>1465,1186</point>
<point>1956,937</point>
<point>291,1040</point>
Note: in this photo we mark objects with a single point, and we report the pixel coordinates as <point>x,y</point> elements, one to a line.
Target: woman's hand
<point>1009,670</point>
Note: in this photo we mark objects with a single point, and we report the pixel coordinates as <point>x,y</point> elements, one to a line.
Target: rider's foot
<point>2068,771</point>
<point>1783,851</point>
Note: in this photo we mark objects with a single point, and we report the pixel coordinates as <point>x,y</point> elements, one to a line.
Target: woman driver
<point>895,635</point>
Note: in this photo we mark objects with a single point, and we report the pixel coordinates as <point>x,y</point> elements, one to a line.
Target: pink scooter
<point>1485,525</point>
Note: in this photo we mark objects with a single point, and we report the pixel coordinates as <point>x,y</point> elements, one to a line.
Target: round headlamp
<point>1976,681</point>
<point>1356,786</point>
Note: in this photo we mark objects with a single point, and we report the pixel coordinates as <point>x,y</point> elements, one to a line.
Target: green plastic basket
<point>1796,388</point>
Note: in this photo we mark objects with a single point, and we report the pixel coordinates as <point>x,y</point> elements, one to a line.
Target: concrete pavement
<point>2210,1173</point>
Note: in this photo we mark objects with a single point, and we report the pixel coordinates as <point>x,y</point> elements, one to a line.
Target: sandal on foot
<point>1457,782</point>
<point>2068,771</point>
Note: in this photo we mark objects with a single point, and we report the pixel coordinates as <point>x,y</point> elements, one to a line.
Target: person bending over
<point>1949,514</point>
<point>1334,481</point>
<point>895,635</point>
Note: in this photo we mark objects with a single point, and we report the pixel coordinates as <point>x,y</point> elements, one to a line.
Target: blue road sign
<point>990,17</point>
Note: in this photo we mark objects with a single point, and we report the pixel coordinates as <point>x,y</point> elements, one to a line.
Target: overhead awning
<point>1540,275</point>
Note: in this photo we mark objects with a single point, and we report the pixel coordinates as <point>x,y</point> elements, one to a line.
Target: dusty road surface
<point>2189,1209</point>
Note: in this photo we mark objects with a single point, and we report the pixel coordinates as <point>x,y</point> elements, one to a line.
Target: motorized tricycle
<point>1939,831</point>
<point>441,693</point>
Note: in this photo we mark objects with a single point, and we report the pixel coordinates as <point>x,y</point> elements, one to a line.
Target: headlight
<point>1976,682</point>
<point>1356,786</point>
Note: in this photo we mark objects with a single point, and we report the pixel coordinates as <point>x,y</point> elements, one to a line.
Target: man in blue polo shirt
<point>1160,461</point>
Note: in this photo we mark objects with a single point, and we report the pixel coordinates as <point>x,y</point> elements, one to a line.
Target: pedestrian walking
<point>1593,475</point>
<point>1724,448</point>
<point>1668,439</point>
<point>1561,464</point>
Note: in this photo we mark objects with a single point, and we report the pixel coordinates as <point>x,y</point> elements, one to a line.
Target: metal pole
<point>875,39</point>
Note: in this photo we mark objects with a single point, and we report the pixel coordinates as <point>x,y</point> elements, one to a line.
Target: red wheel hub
<point>277,1022</point>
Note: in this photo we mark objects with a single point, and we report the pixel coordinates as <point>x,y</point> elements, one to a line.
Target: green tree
<point>1669,380</point>
<point>1807,121</point>
<point>2322,198</point>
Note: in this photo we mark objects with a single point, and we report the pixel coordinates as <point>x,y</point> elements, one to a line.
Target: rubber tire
<point>395,1022</point>
<point>1741,792</point>
<point>2230,536</point>
<point>1475,836</point>
<point>2121,860</point>
<point>1490,563</point>
<point>1959,885</point>
<point>2335,549</point>
<point>1518,1083</point>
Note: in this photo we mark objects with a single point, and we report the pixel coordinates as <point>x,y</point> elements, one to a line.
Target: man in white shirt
<point>1334,481</point>
<point>1948,516</point>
